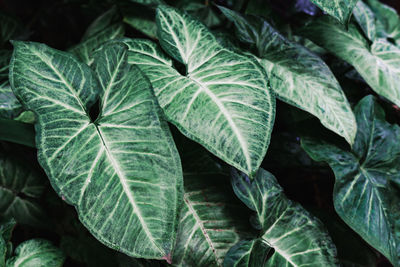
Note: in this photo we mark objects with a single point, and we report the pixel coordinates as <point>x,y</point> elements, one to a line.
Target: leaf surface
<point>38,253</point>
<point>297,237</point>
<point>340,9</point>
<point>223,102</point>
<point>122,171</point>
<point>366,194</point>
<point>297,76</point>
<point>378,64</point>
<point>366,19</point>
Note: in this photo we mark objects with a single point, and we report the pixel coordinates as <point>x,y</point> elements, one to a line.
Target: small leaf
<point>122,172</point>
<point>366,193</point>
<point>38,253</point>
<point>223,102</point>
<point>297,237</point>
<point>297,76</point>
<point>378,64</point>
<point>340,9</point>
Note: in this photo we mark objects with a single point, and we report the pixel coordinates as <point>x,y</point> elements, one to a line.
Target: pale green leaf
<point>21,185</point>
<point>340,9</point>
<point>223,102</point>
<point>378,64</point>
<point>297,76</point>
<point>85,49</point>
<point>211,220</point>
<point>366,192</point>
<point>36,253</point>
<point>122,171</point>
<point>297,237</point>
<point>366,19</point>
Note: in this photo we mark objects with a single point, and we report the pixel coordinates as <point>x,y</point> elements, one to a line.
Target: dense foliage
<point>200,133</point>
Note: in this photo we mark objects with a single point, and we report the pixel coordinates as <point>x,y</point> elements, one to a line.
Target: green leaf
<point>202,12</point>
<point>85,49</point>
<point>142,19</point>
<point>366,194</point>
<point>148,2</point>
<point>223,102</point>
<point>297,237</point>
<point>17,132</point>
<point>211,220</point>
<point>297,76</point>
<point>247,253</point>
<point>10,28</point>
<point>101,23</point>
<point>10,107</point>
<point>122,172</point>
<point>378,64</point>
<point>366,19</point>
<point>340,9</point>
<point>36,253</point>
<point>6,228</point>
<point>388,20</point>
<point>5,56</point>
<point>21,185</point>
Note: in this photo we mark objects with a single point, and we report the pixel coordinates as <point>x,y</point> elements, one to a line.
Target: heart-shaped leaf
<point>122,171</point>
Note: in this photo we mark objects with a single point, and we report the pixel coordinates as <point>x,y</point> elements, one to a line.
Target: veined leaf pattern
<point>297,237</point>
<point>223,102</point>
<point>366,19</point>
<point>122,172</point>
<point>297,76</point>
<point>340,9</point>
<point>378,64</point>
<point>367,178</point>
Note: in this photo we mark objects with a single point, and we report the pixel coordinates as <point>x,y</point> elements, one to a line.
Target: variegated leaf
<point>378,64</point>
<point>366,19</point>
<point>222,101</point>
<point>297,76</point>
<point>297,237</point>
<point>366,192</point>
<point>340,9</point>
<point>122,171</point>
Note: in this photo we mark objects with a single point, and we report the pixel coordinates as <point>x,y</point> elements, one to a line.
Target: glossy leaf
<point>378,64</point>
<point>297,76</point>
<point>211,219</point>
<point>38,253</point>
<point>223,101</point>
<point>297,237</point>
<point>21,185</point>
<point>340,9</point>
<point>122,172</point>
<point>366,19</point>
<point>85,49</point>
<point>366,192</point>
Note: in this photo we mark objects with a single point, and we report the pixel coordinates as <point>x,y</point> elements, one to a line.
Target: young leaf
<point>366,19</point>
<point>298,238</point>
<point>20,187</point>
<point>85,49</point>
<point>366,192</point>
<point>297,76</point>
<point>211,220</point>
<point>340,9</point>
<point>223,102</point>
<point>122,172</point>
<point>378,64</point>
<point>36,252</point>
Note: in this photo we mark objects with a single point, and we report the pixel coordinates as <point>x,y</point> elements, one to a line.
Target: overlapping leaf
<point>340,9</point>
<point>366,19</point>
<point>297,237</point>
<point>223,101</point>
<point>122,171</point>
<point>378,64</point>
<point>211,220</point>
<point>36,252</point>
<point>366,194</point>
<point>20,187</point>
<point>298,76</point>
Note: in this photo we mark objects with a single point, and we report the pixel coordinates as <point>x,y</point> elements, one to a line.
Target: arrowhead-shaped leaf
<point>378,64</point>
<point>122,171</point>
<point>366,194</point>
<point>20,187</point>
<point>298,238</point>
<point>340,9</point>
<point>297,76</point>
<point>211,220</point>
<point>36,252</point>
<point>223,102</point>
